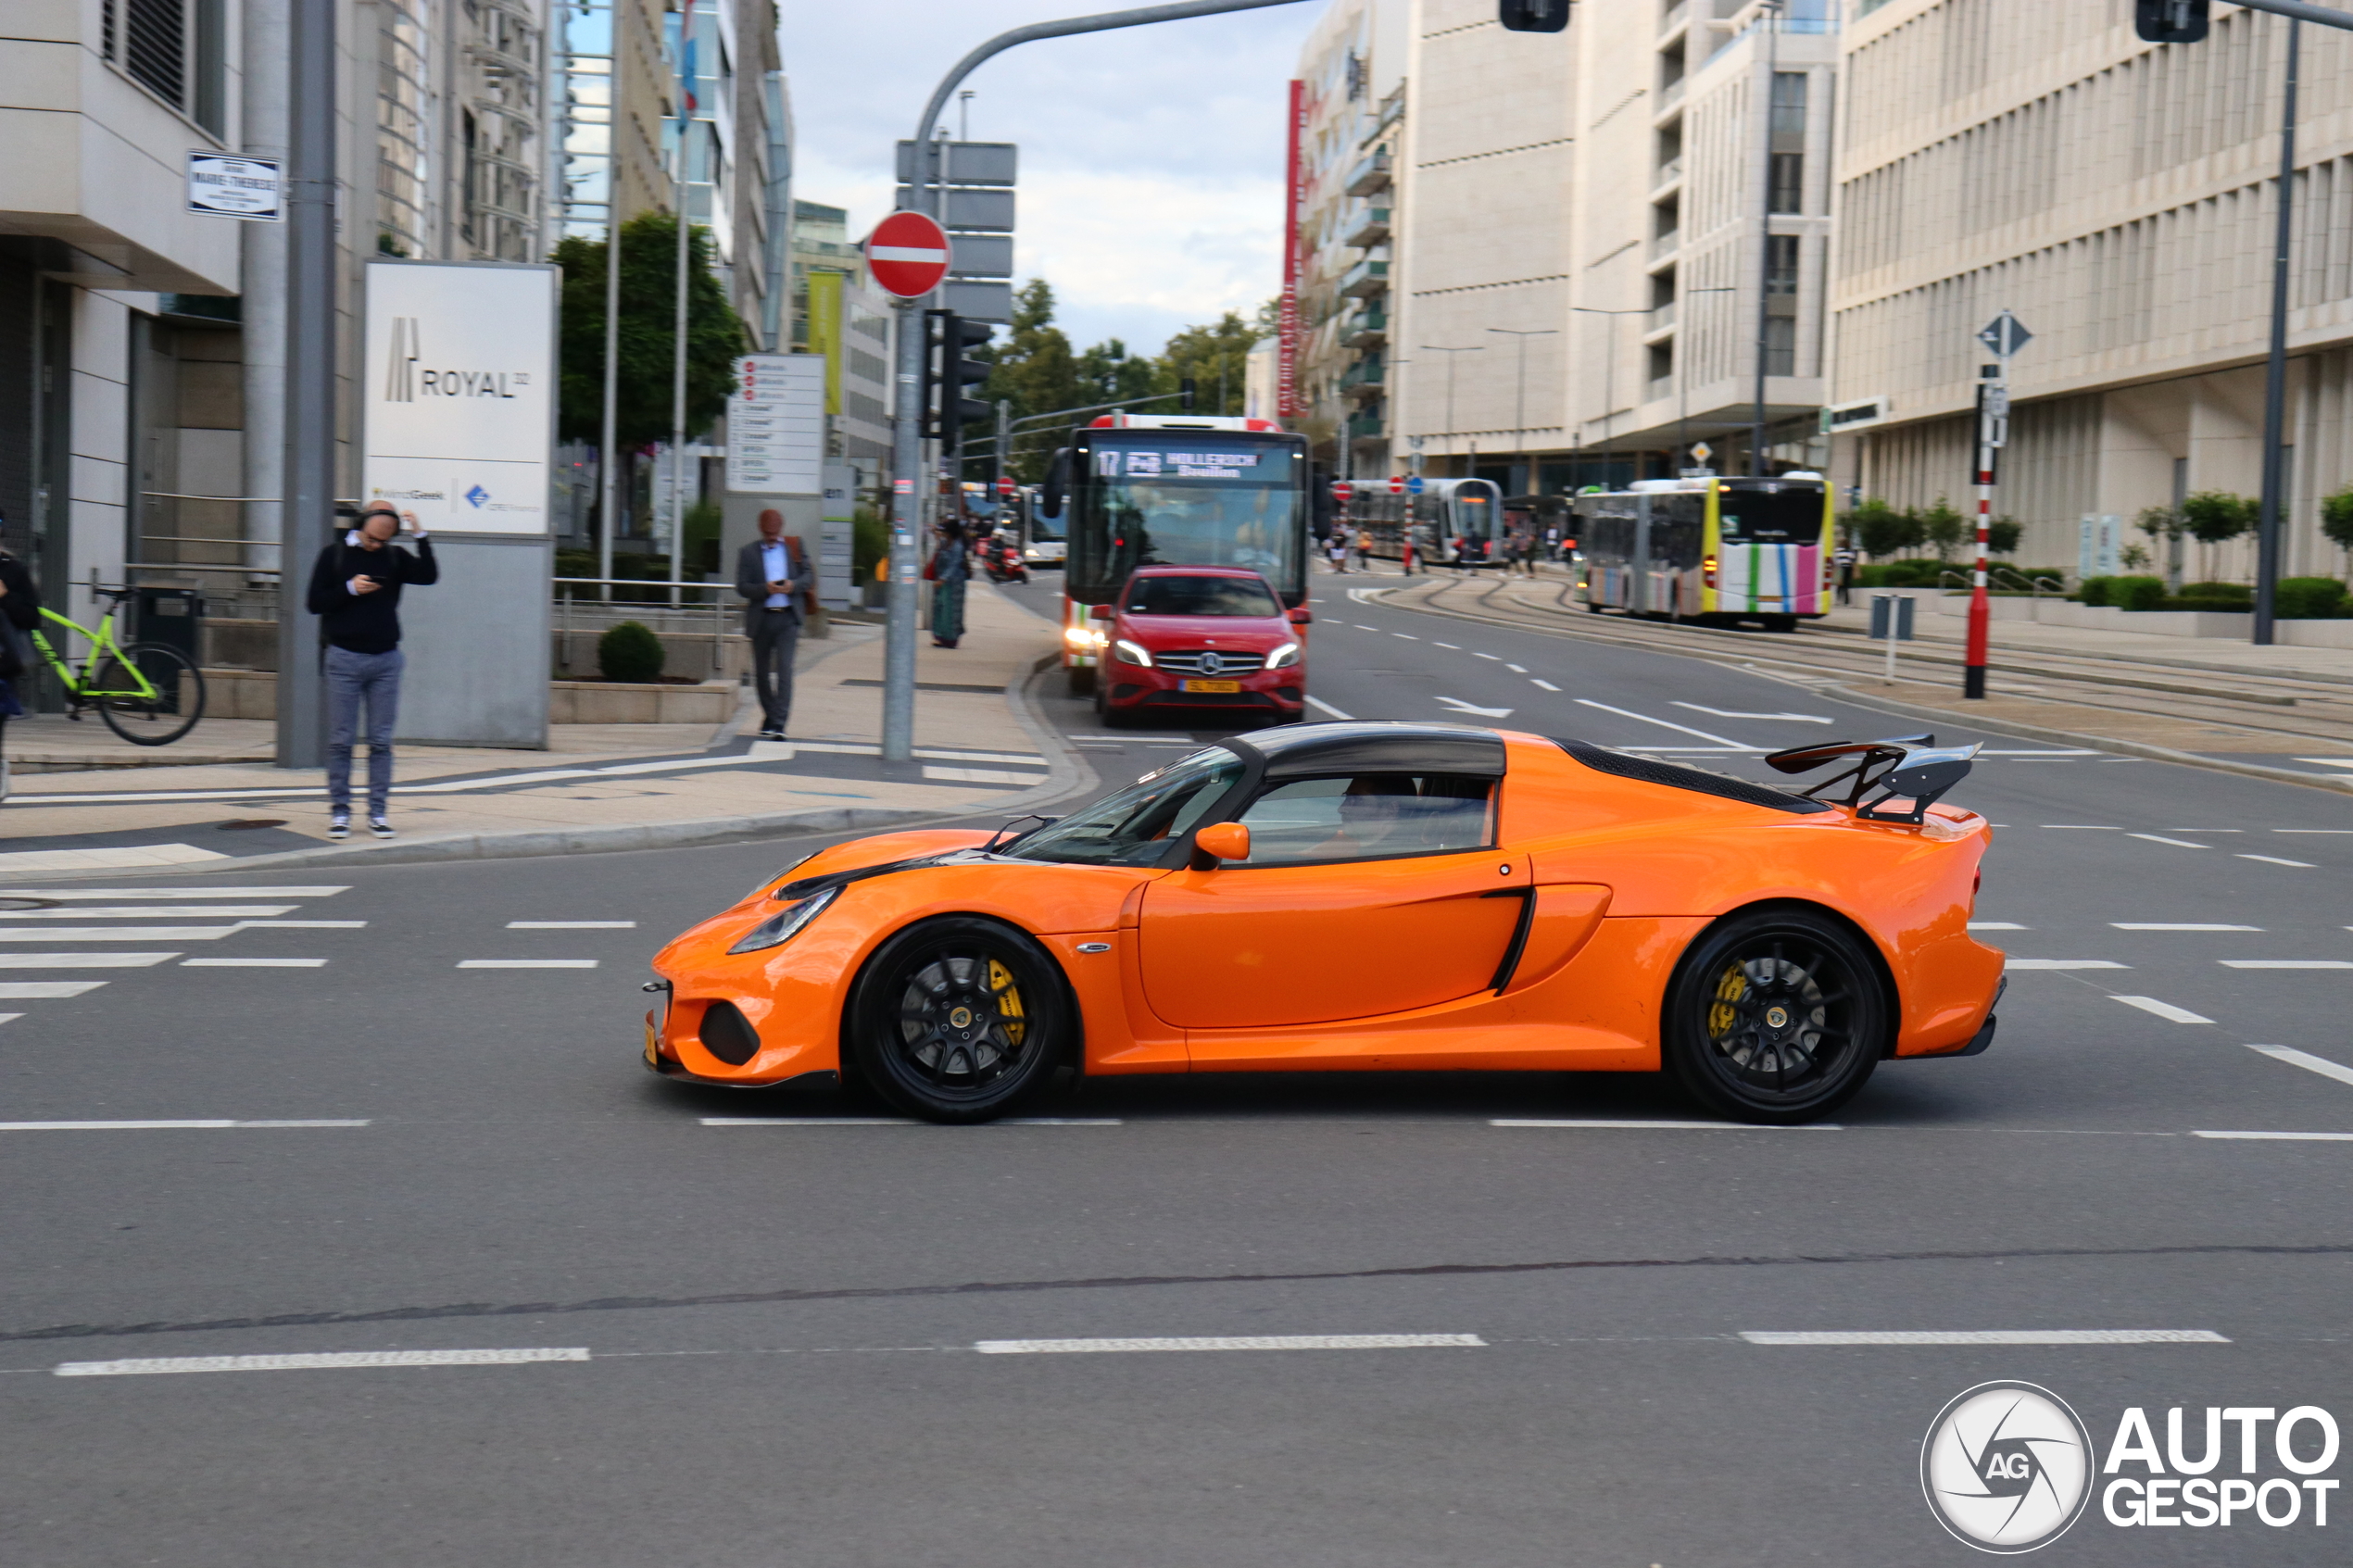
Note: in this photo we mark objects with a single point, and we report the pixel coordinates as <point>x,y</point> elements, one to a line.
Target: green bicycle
<point>148,694</point>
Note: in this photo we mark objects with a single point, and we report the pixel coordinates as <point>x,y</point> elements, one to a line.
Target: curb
<point>1942,716</point>
<point>1068,774</point>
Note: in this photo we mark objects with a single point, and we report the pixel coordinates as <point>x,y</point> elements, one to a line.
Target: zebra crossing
<point>70,932</point>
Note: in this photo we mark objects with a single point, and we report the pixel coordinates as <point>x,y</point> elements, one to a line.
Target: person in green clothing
<point>948,573</point>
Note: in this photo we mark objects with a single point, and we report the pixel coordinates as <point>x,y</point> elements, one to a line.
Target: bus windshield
<point>1770,517</point>
<point>1042,527</point>
<point>1181,498</point>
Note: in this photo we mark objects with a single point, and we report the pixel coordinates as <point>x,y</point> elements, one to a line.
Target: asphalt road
<point>755,1345</point>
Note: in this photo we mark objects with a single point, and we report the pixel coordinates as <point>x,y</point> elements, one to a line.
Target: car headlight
<point>1131,653</point>
<point>1283,657</point>
<point>780,928</point>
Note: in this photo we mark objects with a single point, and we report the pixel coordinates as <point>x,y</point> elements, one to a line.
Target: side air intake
<point>728,1034</point>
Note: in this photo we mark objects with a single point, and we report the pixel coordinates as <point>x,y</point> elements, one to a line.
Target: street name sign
<point>908,254</point>
<point>250,188</point>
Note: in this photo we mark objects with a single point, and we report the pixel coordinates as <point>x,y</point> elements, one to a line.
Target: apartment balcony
<point>1676,16</point>
<point>1370,175</point>
<point>1661,319</point>
<point>1669,175</point>
<point>1365,378</point>
<point>1367,328</point>
<point>1669,96</point>
<point>1371,228</point>
<point>1661,386</point>
<point>1365,426</point>
<point>1664,246</point>
<point>1368,278</point>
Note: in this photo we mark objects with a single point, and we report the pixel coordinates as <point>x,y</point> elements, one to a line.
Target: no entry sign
<point>908,253</point>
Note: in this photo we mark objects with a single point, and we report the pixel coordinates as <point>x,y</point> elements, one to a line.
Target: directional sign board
<point>1414,486</point>
<point>908,254</point>
<point>2004,335</point>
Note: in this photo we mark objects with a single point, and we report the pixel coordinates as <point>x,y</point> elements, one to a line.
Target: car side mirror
<point>1303,616</point>
<point>1220,841</point>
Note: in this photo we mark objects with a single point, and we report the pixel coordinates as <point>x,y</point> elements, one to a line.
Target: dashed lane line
<point>2176,925</point>
<point>2276,860</point>
<point>1997,925</point>
<point>2286,963</point>
<point>2165,1010</point>
<point>902,1121</point>
<point>1233,1342</point>
<point>1655,1126</point>
<point>2276,1137</point>
<point>2065,963</point>
<point>2176,843</point>
<point>182,893</point>
<point>1984,1336</point>
<point>344,1360</point>
<point>155,911</point>
<point>84,960</point>
<point>527,963</point>
<point>1662,723</point>
<point>571,925</point>
<point>2308,1061</point>
<point>45,990</point>
<point>1516,669</point>
<point>253,963</point>
<point>1320,706</point>
<point>183,1125</point>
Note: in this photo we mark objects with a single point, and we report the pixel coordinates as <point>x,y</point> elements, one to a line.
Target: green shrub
<point>630,652</point>
<point>2309,598</point>
<point>869,542</point>
<point>1918,571</point>
<point>2002,534</point>
<point>1881,530</point>
<point>2236,592</point>
<point>2135,592</point>
<point>2093,590</point>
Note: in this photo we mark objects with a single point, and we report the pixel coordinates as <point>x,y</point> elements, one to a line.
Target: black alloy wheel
<point>1777,1015</point>
<point>959,1020</point>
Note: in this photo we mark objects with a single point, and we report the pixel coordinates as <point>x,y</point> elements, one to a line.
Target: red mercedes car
<point>1184,639</point>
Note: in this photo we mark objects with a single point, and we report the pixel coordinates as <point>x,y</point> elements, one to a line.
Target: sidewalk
<point>597,786</point>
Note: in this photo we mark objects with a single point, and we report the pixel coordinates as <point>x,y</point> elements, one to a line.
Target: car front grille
<point>1228,663</point>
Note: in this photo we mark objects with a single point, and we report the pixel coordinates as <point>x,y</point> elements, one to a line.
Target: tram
<point>1725,549</point>
<point>1453,521</point>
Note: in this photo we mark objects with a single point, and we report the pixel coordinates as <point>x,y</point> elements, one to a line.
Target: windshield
<point>1177,498</point>
<point>1132,827</point>
<point>1770,517</point>
<point>1201,596</point>
<point>1043,528</point>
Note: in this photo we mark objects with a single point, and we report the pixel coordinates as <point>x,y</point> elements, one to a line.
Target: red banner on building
<point>1287,406</point>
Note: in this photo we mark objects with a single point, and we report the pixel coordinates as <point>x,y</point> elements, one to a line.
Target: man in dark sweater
<point>355,592</point>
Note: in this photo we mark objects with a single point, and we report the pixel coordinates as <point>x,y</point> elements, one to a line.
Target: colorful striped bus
<point>1722,549</point>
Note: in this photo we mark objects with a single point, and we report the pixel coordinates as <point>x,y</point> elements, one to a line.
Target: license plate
<point>1213,685</point>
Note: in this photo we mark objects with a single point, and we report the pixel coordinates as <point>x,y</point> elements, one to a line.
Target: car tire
<point>1776,1015</point>
<point>1105,714</point>
<point>960,1020</point>
<point>1082,681</point>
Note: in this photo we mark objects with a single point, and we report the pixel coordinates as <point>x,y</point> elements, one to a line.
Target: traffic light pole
<point>1993,418</point>
<point>906,444</point>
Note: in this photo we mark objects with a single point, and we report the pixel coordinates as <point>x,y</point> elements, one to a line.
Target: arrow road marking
<point>1726,713</point>
<point>1459,706</point>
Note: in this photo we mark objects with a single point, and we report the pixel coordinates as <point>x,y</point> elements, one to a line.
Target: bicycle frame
<point>102,642</point>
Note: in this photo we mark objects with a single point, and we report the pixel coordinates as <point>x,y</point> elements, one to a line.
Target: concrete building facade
<point>2035,156</point>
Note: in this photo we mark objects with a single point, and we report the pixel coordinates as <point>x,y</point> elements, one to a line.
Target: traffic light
<point>948,341</point>
<point>1537,16</point>
<point>2170,21</point>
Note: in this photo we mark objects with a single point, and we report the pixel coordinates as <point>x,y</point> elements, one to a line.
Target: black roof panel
<point>1354,745</point>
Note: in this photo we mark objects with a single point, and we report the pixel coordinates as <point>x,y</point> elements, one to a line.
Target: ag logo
<point>2007,1467</point>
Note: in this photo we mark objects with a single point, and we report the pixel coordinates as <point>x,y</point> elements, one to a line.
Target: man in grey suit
<point>775,583</point>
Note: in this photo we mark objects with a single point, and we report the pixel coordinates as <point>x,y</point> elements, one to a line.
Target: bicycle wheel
<point>143,720</point>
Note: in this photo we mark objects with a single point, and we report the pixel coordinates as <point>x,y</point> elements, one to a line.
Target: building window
<point>1789,103</point>
<point>1785,184</point>
<point>1781,265</point>
<point>1781,345</point>
<point>154,47</point>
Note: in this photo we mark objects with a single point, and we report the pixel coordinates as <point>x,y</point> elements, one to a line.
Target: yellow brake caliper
<point>1730,988</point>
<point>1009,1008</point>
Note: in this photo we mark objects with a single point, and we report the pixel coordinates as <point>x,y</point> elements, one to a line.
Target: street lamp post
<point>1450,353</point>
<point>1520,416</point>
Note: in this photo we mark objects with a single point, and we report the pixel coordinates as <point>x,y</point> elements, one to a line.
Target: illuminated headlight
<point>1084,637</point>
<point>1131,653</point>
<point>1283,657</point>
<point>780,928</point>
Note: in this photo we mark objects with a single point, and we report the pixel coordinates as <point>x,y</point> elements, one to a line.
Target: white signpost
<point>458,389</point>
<point>776,425</point>
<point>250,188</point>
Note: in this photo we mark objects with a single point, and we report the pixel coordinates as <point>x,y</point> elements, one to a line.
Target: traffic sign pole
<point>2004,335</point>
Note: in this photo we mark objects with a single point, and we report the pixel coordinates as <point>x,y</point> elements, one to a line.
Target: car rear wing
<point>1902,768</point>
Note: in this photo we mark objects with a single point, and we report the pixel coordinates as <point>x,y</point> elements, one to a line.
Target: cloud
<point>1151,190</point>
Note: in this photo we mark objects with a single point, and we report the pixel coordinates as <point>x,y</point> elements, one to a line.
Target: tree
<point>2169,524</point>
<point>2002,534</point>
<point>1215,357</point>
<point>2217,517</point>
<point>2337,519</point>
<point>1036,372</point>
<point>1111,374</point>
<point>649,313</point>
<point>1944,529</point>
<point>1883,532</point>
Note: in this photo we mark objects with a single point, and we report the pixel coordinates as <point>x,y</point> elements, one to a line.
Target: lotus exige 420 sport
<point>1382,896</point>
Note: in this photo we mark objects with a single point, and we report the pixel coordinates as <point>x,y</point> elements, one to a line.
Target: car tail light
<point>1707,571</point>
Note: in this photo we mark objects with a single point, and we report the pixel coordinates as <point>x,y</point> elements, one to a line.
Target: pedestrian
<point>948,574</point>
<point>20,613</point>
<point>1336,550</point>
<point>772,573</point>
<point>1364,549</point>
<point>355,592</point>
<point>1843,559</point>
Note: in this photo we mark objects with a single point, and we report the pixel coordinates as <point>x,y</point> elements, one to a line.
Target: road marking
<point>1489,657</point>
<point>1319,704</point>
<point>902,1121</point>
<point>1516,669</point>
<point>1459,706</point>
<point>154,911</point>
<point>1449,646</point>
<point>1728,713</point>
<point>1407,635</point>
<point>302,925</point>
<point>2276,860</point>
<point>253,963</point>
<point>45,990</point>
<point>2186,926</point>
<point>979,775</point>
<point>9,1017</point>
<point>1997,925</point>
<point>1364,628</point>
<point>2176,843</point>
<point>2286,963</point>
<point>156,1126</point>
<point>2065,963</point>
<point>2279,1137</point>
<point>571,925</point>
<point>2165,1010</point>
<point>84,961</point>
<point>1236,1342</point>
<point>2308,1061</point>
<point>2085,827</point>
<point>2049,752</point>
<point>191,893</point>
<point>1662,723</point>
<point>1985,1336</point>
<point>120,934</point>
<point>526,963</point>
<point>1547,686</point>
<point>2314,829</point>
<point>347,1359</point>
<point>1664,1126</point>
<point>2329,762</point>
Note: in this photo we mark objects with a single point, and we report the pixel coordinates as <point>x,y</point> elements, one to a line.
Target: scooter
<point>1001,558</point>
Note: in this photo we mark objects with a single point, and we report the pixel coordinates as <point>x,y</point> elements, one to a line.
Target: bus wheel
<point>1592,609</point>
<point>1082,681</point>
<point>1784,623</point>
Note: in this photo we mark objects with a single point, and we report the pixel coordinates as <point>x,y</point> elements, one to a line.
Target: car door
<point>1363,894</point>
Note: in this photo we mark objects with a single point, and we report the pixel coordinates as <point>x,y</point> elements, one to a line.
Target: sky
<point>1152,159</point>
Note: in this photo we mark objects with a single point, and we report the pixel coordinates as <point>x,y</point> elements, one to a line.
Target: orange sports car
<point>1371,896</point>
